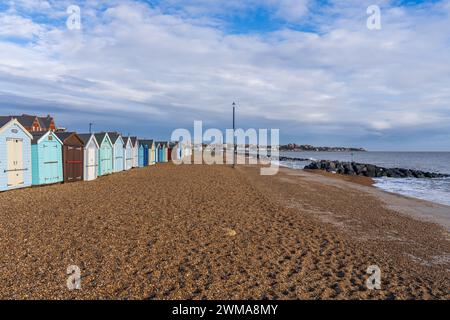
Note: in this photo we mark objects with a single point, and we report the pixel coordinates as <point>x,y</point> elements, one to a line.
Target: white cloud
<point>137,58</point>
<point>292,10</point>
<point>15,26</point>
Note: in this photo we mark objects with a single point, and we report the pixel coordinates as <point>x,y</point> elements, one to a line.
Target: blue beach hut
<point>15,155</point>
<point>141,155</point>
<point>157,153</point>
<point>149,148</point>
<point>46,158</point>
<point>163,151</point>
<point>145,148</point>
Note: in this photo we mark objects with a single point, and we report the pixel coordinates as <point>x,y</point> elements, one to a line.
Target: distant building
<point>34,123</point>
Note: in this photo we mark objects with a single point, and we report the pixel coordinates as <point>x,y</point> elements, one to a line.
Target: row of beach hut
<point>40,158</point>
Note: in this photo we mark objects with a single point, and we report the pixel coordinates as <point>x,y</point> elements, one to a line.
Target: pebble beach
<point>213,232</point>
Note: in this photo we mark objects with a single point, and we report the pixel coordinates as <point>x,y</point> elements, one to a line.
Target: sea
<point>434,190</point>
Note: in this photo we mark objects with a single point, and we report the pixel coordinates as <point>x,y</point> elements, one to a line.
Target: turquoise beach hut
<point>15,155</point>
<point>105,154</point>
<point>46,158</point>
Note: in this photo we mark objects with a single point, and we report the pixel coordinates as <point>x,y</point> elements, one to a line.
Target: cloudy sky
<point>310,68</point>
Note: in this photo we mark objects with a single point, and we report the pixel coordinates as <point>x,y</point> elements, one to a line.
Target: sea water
<point>435,190</point>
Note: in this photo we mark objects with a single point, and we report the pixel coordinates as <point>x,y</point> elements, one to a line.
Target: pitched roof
<point>99,137</point>
<point>146,142</point>
<point>45,122</point>
<point>85,137</point>
<point>26,120</point>
<point>4,120</point>
<point>113,136</point>
<point>37,136</point>
<point>125,141</point>
<point>164,143</point>
<point>134,141</point>
<point>63,135</point>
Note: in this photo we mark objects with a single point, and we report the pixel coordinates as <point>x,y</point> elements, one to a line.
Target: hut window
<point>50,138</point>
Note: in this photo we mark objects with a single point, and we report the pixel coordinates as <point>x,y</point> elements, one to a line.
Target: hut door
<point>70,163</point>
<point>91,162</point>
<point>15,162</point>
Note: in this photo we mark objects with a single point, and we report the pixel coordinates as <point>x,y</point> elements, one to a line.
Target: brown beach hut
<point>73,156</point>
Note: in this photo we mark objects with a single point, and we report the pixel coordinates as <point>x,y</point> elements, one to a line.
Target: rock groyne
<point>369,170</point>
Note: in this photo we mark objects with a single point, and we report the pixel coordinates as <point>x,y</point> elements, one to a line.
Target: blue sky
<point>307,67</point>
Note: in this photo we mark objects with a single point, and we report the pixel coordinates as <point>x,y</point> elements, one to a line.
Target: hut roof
<point>4,120</point>
<point>134,141</point>
<point>85,137</point>
<point>114,136</point>
<point>27,120</point>
<point>65,135</point>
<point>125,141</point>
<point>163,143</point>
<point>38,135</point>
<point>146,142</point>
<point>99,137</point>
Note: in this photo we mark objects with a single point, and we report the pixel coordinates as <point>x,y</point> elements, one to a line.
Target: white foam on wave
<point>292,164</point>
<point>434,190</point>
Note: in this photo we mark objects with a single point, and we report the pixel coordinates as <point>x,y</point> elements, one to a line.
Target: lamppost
<point>234,136</point>
<point>90,127</point>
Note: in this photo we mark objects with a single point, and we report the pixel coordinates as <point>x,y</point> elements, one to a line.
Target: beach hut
<point>15,155</point>
<point>150,145</point>
<point>157,146</point>
<point>46,158</point>
<point>152,153</point>
<point>105,154</point>
<point>163,152</point>
<point>128,153</point>
<point>141,155</point>
<point>144,152</point>
<point>91,153</point>
<point>118,151</point>
<point>73,156</point>
<point>135,144</point>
